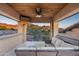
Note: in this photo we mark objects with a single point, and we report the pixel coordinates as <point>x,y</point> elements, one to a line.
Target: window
<point>7,20</point>
<point>39,32</point>
<point>7,26</point>
<point>69,21</point>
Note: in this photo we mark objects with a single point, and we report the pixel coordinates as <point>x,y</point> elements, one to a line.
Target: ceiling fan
<point>38,12</point>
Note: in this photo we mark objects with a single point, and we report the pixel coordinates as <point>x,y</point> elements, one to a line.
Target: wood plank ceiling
<point>49,10</point>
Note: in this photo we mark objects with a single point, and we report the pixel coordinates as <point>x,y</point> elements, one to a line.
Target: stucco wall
<point>9,42</point>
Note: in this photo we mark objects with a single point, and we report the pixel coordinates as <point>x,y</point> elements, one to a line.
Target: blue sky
<point>69,21</point>
<point>4,19</point>
<point>62,24</point>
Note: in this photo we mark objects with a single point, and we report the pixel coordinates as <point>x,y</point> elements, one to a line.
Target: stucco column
<point>22,29</point>
<point>53,30</point>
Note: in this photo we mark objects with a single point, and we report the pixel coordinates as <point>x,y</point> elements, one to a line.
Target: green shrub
<point>3,28</point>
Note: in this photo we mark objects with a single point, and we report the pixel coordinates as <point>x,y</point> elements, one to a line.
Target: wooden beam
<point>8,11</point>
<point>67,11</point>
<point>41,20</point>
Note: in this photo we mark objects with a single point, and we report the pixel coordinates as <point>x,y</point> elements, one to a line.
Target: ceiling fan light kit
<point>38,16</point>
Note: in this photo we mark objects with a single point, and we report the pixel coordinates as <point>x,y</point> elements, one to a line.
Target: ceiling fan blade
<point>38,11</point>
